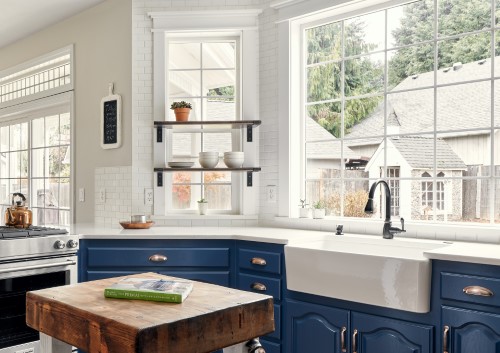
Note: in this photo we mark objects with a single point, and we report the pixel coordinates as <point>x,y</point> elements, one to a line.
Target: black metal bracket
<point>249,133</point>
<point>159,179</point>
<point>249,178</point>
<point>159,134</point>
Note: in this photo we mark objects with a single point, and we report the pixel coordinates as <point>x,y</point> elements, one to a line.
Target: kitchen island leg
<point>49,344</point>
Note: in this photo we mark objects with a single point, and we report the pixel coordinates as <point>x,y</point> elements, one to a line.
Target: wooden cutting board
<point>212,317</point>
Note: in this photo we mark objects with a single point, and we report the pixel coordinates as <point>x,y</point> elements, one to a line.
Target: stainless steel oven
<point>31,260</point>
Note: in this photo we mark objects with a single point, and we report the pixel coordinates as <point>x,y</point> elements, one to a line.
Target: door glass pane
<point>37,133</point>
<point>52,130</point>
<point>4,138</point>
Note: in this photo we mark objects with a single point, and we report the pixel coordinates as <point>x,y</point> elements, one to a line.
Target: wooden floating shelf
<point>233,123</point>
<point>196,169</point>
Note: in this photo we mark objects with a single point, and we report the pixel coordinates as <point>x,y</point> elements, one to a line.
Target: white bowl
<point>233,162</point>
<point>234,154</point>
<point>208,162</point>
<point>208,154</point>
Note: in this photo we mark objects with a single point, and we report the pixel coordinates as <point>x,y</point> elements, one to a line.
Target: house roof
<point>458,106</point>
<point>419,153</point>
<point>327,147</point>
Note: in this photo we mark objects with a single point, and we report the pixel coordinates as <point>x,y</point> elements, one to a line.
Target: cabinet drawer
<point>144,257</point>
<point>482,290</point>
<point>271,286</point>
<point>258,260</point>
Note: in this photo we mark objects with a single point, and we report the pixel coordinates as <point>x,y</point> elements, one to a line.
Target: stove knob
<point>59,244</point>
<point>72,244</point>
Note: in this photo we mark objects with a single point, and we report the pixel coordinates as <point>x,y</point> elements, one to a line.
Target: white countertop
<point>488,254</point>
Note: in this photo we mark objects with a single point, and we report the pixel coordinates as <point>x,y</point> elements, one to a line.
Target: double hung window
<point>410,90</point>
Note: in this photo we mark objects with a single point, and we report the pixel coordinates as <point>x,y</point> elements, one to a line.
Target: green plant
<point>319,205</point>
<point>181,104</point>
<point>202,200</point>
<point>303,203</point>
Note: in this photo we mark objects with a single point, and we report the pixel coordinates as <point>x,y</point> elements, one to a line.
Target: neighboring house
<point>410,119</point>
<point>412,157</point>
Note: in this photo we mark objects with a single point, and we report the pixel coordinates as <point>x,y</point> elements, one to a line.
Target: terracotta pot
<point>182,114</point>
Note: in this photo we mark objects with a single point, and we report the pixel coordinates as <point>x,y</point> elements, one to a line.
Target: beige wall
<point>102,38</point>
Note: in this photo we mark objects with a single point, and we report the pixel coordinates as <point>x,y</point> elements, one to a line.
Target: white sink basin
<point>389,273</point>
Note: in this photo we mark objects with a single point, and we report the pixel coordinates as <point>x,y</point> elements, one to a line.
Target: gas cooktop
<point>32,231</point>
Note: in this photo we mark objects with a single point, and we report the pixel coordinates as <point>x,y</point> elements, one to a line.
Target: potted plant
<point>202,206</point>
<point>319,210</point>
<point>181,110</point>
<point>304,211</point>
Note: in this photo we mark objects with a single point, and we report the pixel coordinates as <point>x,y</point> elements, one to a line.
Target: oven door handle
<point>35,267</point>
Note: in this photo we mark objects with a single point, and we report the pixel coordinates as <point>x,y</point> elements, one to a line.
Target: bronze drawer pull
<point>343,348</point>
<point>258,261</point>
<point>157,258</point>
<point>258,286</point>
<point>446,329</point>
<point>477,290</point>
<point>354,341</point>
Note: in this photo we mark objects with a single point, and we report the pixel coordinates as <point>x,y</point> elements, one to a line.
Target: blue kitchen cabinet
<point>260,268</point>
<point>470,307</point>
<point>201,260</point>
<point>325,329</point>
<point>469,331</point>
<point>316,328</point>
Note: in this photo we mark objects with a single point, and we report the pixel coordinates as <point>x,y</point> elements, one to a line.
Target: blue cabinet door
<point>374,334</point>
<point>470,331</point>
<point>315,328</point>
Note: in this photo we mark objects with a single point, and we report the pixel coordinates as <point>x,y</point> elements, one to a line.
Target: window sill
<point>438,231</point>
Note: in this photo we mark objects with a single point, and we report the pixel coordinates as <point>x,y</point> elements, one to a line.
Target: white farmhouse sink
<point>390,273</point>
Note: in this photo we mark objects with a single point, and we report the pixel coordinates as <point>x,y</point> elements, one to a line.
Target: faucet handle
<point>402,224</point>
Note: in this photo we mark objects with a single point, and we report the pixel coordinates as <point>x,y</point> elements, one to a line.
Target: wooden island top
<point>212,317</point>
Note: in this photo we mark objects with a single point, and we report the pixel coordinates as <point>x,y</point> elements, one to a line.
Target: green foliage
<point>181,104</point>
<point>455,16</point>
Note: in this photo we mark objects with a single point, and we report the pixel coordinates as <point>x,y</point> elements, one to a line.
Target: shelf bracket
<point>249,133</point>
<point>249,178</point>
<point>159,179</point>
<point>159,134</point>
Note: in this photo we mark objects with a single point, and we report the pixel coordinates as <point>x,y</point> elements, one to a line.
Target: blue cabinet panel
<point>378,334</point>
<point>272,286</point>
<point>471,331</point>
<point>140,257</point>
<point>453,287</point>
<point>259,260</point>
<point>270,347</point>
<point>277,323</point>
<point>315,328</point>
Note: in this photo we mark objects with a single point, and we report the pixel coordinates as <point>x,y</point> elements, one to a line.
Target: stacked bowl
<point>208,159</point>
<point>234,159</point>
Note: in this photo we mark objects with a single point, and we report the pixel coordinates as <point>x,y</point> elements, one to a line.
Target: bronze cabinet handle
<point>477,290</point>
<point>354,341</point>
<point>343,347</point>
<point>157,258</point>
<point>258,261</point>
<point>446,330</point>
<point>258,286</point>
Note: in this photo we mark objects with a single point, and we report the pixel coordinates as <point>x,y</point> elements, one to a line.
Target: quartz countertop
<point>480,253</point>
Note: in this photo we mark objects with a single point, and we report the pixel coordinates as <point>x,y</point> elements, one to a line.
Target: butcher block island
<point>212,317</point>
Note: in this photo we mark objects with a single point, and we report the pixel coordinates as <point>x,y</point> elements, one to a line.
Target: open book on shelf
<point>153,289</point>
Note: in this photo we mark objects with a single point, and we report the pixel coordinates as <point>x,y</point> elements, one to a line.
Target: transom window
<point>409,90</point>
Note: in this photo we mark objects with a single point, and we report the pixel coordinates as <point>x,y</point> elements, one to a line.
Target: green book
<point>158,290</point>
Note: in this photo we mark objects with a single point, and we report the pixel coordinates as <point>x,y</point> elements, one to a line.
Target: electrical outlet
<point>81,195</point>
<point>148,197</point>
<point>26,350</point>
<point>271,192</point>
<point>102,195</point>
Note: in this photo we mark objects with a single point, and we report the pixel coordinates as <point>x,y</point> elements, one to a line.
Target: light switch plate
<point>81,195</point>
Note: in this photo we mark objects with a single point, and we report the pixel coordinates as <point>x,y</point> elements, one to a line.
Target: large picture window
<point>411,90</point>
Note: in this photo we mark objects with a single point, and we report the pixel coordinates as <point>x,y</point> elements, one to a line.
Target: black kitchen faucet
<point>388,231</point>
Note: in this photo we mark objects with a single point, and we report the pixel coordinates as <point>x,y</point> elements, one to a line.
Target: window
<point>35,137</point>
<point>394,90</point>
<point>207,58</point>
<point>203,72</point>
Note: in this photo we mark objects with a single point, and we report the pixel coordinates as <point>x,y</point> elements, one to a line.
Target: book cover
<point>160,290</point>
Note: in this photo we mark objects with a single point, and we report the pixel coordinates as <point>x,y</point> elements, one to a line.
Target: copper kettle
<point>18,214</point>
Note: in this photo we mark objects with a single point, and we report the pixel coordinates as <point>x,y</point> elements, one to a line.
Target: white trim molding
<point>179,21</point>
